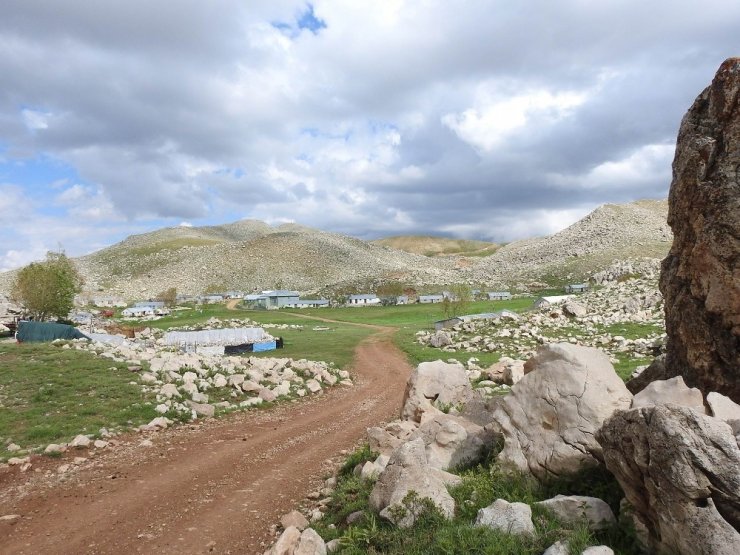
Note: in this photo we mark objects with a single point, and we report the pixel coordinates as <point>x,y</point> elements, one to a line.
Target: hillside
<point>612,232</point>
<point>250,254</point>
<point>437,246</point>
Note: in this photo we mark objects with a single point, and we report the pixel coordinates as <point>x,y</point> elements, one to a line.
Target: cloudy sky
<point>483,119</point>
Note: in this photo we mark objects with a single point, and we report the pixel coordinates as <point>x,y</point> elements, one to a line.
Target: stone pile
<point>581,321</point>
<point>197,384</point>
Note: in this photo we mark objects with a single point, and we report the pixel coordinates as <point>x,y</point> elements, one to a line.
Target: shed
<point>311,303</point>
<point>137,311</point>
<point>152,304</point>
<point>448,323</point>
<point>576,288</point>
<point>363,299</point>
<point>498,295</point>
<point>426,299</point>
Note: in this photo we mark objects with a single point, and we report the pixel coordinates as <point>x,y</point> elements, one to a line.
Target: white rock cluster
<point>581,321</point>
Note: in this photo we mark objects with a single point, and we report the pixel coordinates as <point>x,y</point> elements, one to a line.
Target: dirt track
<point>213,487</point>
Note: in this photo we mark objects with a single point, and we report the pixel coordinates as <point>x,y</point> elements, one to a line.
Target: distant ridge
<point>437,246</point>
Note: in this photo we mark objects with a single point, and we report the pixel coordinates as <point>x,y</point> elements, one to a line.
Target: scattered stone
<point>201,409</point>
<point>53,448</point>
<point>10,519</point>
<point>574,508</point>
<point>598,550</point>
<point>294,518</point>
<point>100,444</point>
<point>558,548</point>
<point>146,443</point>
<point>511,518</point>
<point>80,442</point>
<point>287,542</point>
<point>310,543</point>
<point>13,447</point>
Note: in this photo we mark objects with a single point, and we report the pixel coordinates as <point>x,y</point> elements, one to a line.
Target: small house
<point>363,300</point>
<point>212,299</point>
<point>499,296</point>
<point>576,288</point>
<point>280,298</point>
<point>137,312</point>
<point>547,302</point>
<point>151,304</point>
<point>427,299</point>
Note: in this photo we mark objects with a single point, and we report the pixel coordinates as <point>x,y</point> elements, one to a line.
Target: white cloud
<point>492,121</point>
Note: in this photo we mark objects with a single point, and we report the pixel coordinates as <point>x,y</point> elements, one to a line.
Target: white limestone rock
<point>511,518</point>
<point>549,418</point>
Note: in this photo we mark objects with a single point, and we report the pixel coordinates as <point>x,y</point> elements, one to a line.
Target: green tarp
<point>46,331</point>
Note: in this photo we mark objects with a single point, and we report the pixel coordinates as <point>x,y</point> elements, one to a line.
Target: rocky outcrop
<point>679,472</point>
<point>434,386</point>
<point>700,278</point>
<point>549,419</point>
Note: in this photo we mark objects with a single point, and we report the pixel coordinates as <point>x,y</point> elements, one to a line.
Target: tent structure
<point>230,340</point>
<point>46,331</point>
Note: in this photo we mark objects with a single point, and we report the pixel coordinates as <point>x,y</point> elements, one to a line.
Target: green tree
<point>47,289</point>
<point>458,303</point>
<point>168,297</point>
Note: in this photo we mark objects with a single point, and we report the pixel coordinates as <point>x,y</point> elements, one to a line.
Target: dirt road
<point>216,486</point>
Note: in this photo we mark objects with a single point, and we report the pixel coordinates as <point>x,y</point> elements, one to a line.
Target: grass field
<point>49,394</point>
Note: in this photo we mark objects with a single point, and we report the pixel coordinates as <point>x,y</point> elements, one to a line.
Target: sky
<point>492,120</point>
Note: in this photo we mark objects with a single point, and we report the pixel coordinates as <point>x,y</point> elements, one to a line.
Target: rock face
<point>549,419</point>
<point>679,472</point>
<point>700,278</point>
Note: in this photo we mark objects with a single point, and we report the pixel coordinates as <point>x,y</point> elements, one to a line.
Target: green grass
<point>49,395</point>
<point>481,486</point>
<point>633,330</point>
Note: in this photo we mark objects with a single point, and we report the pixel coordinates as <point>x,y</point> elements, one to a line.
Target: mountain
<point>249,254</point>
<point>437,246</point>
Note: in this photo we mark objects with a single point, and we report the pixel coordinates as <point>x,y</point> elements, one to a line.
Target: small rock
<point>10,519</point>
<point>80,442</point>
<point>294,518</point>
<point>512,518</point>
<point>100,444</point>
<point>13,447</point>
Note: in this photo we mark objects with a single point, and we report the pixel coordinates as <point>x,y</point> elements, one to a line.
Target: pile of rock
<point>580,321</point>
<point>187,383</point>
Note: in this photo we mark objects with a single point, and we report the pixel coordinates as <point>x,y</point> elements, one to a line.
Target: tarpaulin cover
<point>264,346</point>
<point>235,336</point>
<point>46,331</point>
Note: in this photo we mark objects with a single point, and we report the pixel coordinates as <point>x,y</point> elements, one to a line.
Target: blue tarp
<point>264,346</point>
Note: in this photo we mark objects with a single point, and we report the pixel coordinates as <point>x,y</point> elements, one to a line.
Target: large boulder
<point>549,419</point>
<point>433,386</point>
<point>700,278</point>
<point>679,472</point>
<point>451,441</point>
<point>408,471</point>
<point>387,439</point>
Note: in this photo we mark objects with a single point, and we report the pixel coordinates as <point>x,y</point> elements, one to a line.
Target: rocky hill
<point>437,246</point>
<point>637,230</point>
<point>250,254</point>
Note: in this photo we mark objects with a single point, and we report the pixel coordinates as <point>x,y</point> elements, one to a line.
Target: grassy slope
<point>49,394</point>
